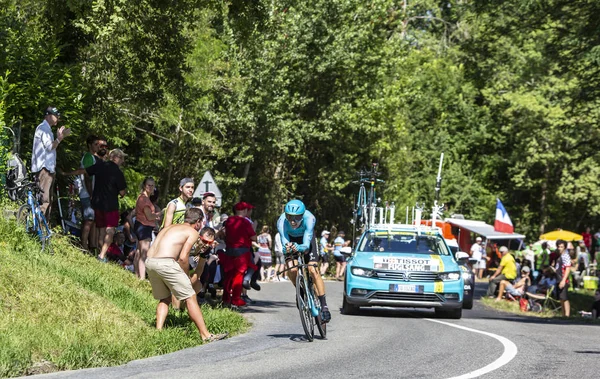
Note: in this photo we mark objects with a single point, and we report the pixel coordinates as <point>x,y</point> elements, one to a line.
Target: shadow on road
<point>267,306</point>
<point>291,337</point>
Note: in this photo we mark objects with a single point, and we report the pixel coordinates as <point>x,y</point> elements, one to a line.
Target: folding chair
<point>547,301</point>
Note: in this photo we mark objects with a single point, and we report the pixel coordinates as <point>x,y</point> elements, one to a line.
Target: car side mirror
<point>462,257</point>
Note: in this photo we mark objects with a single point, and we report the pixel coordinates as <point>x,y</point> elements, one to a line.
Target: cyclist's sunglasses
<point>294,218</point>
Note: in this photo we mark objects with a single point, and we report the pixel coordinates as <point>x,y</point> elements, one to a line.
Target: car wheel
<point>468,303</point>
<point>449,313</point>
<point>349,309</point>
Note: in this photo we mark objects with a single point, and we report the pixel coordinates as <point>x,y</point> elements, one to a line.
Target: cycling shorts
<point>310,255</point>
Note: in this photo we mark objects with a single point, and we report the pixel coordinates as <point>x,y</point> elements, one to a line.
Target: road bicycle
<point>365,202</point>
<point>307,301</point>
<point>30,215</point>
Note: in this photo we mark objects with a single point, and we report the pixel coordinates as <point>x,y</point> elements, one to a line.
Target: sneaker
<point>246,284</point>
<point>215,337</point>
<point>326,315</point>
<point>255,286</point>
<point>247,299</point>
<point>102,260</point>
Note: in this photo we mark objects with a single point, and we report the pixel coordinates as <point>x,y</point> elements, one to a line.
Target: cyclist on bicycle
<point>296,228</point>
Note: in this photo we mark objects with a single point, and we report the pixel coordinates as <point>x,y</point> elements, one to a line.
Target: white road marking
<point>510,351</point>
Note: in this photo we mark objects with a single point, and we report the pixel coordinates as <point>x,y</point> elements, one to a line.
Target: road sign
<point>208,184</point>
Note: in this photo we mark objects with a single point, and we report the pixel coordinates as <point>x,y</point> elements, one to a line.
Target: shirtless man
<point>168,271</point>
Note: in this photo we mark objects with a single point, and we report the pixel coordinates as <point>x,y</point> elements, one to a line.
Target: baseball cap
<point>185,181</point>
<point>117,153</point>
<point>503,249</point>
<point>324,232</point>
<point>243,205</point>
<point>478,239</point>
<point>341,232</point>
<point>526,269</point>
<point>52,110</point>
<point>207,194</point>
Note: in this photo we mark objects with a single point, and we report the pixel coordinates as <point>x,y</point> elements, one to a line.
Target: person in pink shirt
<point>145,221</point>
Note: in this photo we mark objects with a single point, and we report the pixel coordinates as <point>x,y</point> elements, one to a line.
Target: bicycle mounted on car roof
<point>364,212</point>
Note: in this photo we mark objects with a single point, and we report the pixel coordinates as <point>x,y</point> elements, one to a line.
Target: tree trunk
<point>544,199</point>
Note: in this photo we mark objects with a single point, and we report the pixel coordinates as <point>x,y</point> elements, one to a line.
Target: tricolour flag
<point>502,223</point>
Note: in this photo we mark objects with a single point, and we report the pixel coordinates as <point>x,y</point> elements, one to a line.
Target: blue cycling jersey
<point>305,230</point>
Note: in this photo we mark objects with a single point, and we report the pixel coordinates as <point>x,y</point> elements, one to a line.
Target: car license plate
<point>411,288</point>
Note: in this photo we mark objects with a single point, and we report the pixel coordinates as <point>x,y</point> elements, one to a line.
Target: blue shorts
<point>86,209</point>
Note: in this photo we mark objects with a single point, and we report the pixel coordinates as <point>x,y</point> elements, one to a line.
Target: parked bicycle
<point>365,202</point>
<point>30,215</point>
<point>307,301</point>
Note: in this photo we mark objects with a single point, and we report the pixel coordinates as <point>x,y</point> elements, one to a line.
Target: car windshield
<point>403,242</point>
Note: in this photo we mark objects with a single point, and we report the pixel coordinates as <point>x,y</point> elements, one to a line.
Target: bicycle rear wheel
<point>305,314</point>
<point>25,217</point>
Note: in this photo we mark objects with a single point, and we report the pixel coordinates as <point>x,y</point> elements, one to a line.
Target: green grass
<point>580,300</point>
<point>68,311</point>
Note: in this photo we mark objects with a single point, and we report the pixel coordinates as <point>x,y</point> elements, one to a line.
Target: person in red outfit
<point>238,234</point>
<point>587,238</point>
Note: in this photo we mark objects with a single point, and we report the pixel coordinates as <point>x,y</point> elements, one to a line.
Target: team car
<point>462,258</point>
<point>403,266</point>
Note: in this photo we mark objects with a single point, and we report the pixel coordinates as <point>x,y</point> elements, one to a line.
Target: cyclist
<point>296,228</point>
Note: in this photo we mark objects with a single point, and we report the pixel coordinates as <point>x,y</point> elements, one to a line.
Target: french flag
<point>502,223</point>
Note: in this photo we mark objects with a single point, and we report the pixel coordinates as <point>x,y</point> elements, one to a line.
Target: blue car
<point>403,266</point>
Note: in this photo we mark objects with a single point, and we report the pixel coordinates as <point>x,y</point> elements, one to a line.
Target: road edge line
<point>510,351</point>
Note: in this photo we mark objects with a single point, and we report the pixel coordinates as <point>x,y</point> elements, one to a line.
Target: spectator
<point>547,281</point>
<point>146,216</point>
<point>167,265</point>
<point>543,258</point>
<point>477,258</point>
<point>176,208</point>
<point>340,259</point>
<point>279,258</point>
<point>582,264</point>
<point>211,216</point>
<point>85,187</point>
<point>516,290</point>
<point>264,251</point>
<point>43,156</point>
<point>238,234</point>
<point>563,268</point>
<point>324,249</point>
<point>115,251</point>
<point>507,270</point>
<point>587,238</point>
<point>110,184</point>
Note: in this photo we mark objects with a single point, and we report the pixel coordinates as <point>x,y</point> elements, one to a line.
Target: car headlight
<point>449,276</point>
<point>359,271</point>
<point>466,275</point>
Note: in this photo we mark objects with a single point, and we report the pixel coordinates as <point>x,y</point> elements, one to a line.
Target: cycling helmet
<point>295,208</point>
<point>294,212</point>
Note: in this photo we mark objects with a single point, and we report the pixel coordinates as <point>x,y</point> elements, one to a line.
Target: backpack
<point>16,175</point>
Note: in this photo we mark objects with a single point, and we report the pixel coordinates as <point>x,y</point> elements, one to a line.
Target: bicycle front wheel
<point>321,325</point>
<point>305,314</point>
<point>25,217</point>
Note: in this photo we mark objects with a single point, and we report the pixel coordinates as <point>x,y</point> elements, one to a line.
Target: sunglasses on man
<point>294,218</point>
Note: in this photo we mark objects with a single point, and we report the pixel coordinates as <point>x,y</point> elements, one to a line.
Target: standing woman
<point>145,220</point>
<point>264,251</point>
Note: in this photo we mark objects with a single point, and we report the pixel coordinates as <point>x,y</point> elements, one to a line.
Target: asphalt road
<point>380,342</point>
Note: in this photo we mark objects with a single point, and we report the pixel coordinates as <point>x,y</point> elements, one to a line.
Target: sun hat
<point>324,232</point>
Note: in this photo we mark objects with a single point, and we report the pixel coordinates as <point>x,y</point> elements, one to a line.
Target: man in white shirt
<point>43,157</point>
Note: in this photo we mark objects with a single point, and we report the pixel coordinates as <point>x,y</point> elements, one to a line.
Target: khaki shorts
<point>166,278</point>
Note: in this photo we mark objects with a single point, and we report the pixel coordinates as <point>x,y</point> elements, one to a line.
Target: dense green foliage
<point>66,311</point>
<point>283,99</point>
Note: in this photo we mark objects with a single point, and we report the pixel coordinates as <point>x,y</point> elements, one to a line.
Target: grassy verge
<point>68,311</point>
<point>580,300</point>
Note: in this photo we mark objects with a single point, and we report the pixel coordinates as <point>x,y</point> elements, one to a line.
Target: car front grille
<point>407,276</point>
<point>406,296</point>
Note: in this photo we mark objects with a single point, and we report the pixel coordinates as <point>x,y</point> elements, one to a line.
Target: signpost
<point>208,184</point>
